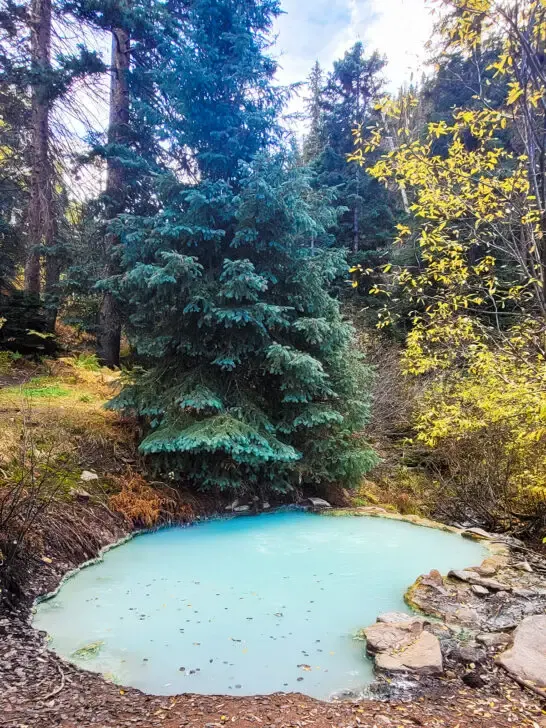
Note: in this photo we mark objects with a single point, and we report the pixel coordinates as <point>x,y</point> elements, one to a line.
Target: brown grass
<point>144,506</point>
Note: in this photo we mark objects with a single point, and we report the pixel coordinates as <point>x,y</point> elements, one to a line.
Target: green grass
<point>39,388</point>
<point>88,362</point>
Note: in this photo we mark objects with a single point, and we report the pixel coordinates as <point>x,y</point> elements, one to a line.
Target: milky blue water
<point>248,605</point>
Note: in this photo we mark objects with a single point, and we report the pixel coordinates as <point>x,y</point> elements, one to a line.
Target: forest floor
<point>58,406</point>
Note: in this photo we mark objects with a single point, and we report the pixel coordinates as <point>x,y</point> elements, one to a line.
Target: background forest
<point>199,248</point>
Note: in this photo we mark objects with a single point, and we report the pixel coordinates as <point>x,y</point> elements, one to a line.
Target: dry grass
<point>65,403</point>
<point>144,506</point>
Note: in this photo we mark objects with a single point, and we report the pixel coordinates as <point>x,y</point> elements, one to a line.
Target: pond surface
<point>249,605</point>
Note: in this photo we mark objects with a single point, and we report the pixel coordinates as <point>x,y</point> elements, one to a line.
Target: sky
<point>324,29</point>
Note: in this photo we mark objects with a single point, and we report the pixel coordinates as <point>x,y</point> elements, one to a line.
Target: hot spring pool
<point>244,606</point>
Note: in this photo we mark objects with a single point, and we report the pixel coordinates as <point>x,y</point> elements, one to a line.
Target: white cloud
<point>324,29</point>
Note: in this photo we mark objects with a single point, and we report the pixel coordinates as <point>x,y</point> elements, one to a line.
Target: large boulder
<point>526,658</point>
<point>404,646</point>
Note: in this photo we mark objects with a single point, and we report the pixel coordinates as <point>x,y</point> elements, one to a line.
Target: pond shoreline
<point>44,690</point>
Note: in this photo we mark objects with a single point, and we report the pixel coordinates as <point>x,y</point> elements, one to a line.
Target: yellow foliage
<point>476,221</point>
<point>494,412</point>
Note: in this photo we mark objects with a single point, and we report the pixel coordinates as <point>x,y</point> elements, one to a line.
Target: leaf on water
<point>307,668</point>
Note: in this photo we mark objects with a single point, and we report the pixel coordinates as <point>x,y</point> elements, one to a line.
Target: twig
<point>527,684</point>
<point>57,690</point>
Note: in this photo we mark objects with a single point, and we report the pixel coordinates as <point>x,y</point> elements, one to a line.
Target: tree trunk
<point>41,224</point>
<point>356,225</point>
<point>110,314</point>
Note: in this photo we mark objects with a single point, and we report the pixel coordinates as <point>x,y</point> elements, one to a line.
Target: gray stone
<point>468,655</point>
<point>464,616</point>
<point>524,593</point>
<point>232,506</point>
<point>319,503</point>
<point>81,495</point>
<point>470,577</point>
<point>494,639</point>
<point>266,506</point>
<point>481,591</point>
<point>241,509</point>
<point>503,622</point>
<point>523,566</point>
<point>87,476</point>
<point>526,659</point>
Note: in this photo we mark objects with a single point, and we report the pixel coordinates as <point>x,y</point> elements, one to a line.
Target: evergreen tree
<point>346,101</point>
<point>14,124</point>
<point>250,380</point>
<point>314,141</point>
<point>246,375</point>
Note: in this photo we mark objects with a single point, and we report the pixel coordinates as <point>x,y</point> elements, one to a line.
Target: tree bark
<point>110,315</point>
<point>41,223</point>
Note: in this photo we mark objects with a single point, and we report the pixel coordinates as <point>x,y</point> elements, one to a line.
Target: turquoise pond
<point>248,605</point>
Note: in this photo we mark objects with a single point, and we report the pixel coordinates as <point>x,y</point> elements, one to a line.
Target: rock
<point>265,506</point>
<point>526,658</point>
<point>404,647</point>
<point>465,616</point>
<point>477,533</point>
<point>422,656</point>
<point>523,566</point>
<point>81,495</point>
<point>501,596</point>
<point>385,636</point>
<point>345,694</point>
<point>524,593</point>
<point>435,581</point>
<point>232,506</point>
<point>470,577</point>
<point>382,720</point>
<point>468,655</point>
<point>503,622</point>
<point>494,639</point>
<point>481,591</point>
<point>397,617</point>
<point>87,476</point>
<point>487,568</point>
<point>474,680</point>
<point>241,509</point>
<point>319,503</point>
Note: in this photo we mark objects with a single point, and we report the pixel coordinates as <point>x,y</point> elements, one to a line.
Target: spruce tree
<point>347,99</point>
<point>250,381</point>
<point>246,376</point>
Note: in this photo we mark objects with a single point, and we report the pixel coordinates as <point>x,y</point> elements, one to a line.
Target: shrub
<point>89,362</point>
<point>486,426</point>
<point>144,506</point>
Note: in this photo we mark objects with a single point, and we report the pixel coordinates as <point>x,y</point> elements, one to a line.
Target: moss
<point>88,651</point>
